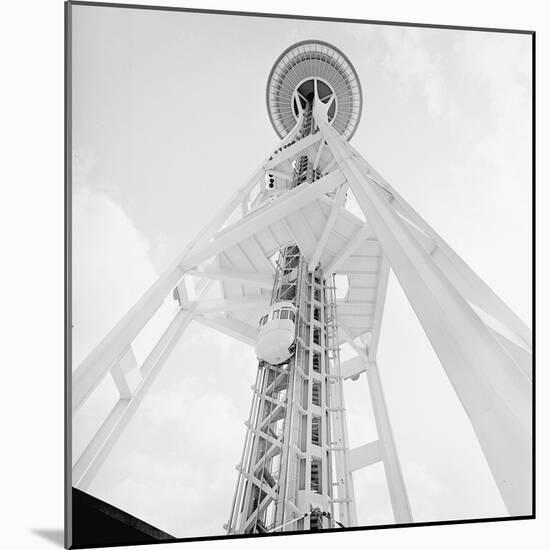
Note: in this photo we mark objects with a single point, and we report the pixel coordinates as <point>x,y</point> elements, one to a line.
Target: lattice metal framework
<point>294,472</point>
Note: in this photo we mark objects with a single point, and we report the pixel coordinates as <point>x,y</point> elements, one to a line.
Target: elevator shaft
<point>294,472</point>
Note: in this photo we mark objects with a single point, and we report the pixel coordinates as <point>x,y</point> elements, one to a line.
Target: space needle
<point>295,472</point>
<point>272,254</point>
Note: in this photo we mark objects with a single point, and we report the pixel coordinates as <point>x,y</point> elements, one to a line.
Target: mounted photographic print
<point>299,274</point>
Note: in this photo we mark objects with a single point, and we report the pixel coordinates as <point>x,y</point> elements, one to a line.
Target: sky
<point>169,119</point>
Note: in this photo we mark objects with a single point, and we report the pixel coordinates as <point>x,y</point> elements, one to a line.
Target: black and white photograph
<point>300,274</point>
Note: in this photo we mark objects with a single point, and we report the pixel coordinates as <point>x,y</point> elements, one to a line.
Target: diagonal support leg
<point>113,346</point>
<point>97,451</point>
<point>394,476</point>
<point>494,392</point>
<point>454,267</point>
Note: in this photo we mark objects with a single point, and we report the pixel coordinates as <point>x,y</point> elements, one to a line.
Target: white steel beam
<point>86,459</point>
<point>219,305</point>
<point>496,326</point>
<point>394,475</point>
<point>256,221</point>
<point>329,166</point>
<point>421,236</point>
<point>94,455</point>
<point>253,244</point>
<point>522,358</point>
<point>281,175</point>
<point>181,293</point>
<point>232,327</point>
<point>493,391</point>
<point>380,302</point>
<point>260,197</point>
<point>318,155</point>
<point>346,335</point>
<point>478,293</point>
<point>244,206</point>
<point>258,280</point>
<point>365,455</point>
<point>292,151</point>
<point>352,368</point>
<point>227,209</point>
<point>293,235</point>
<point>97,364</point>
<point>337,205</point>
<point>455,268</point>
<point>241,194</point>
<point>121,382</point>
<point>347,250</point>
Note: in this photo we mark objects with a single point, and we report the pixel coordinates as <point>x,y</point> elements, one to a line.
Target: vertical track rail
<point>296,448</point>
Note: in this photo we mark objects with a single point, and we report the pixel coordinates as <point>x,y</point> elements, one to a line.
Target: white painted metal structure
<point>483,346</point>
<point>294,472</point>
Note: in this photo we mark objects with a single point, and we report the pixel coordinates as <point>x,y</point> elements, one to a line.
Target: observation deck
<point>294,76</point>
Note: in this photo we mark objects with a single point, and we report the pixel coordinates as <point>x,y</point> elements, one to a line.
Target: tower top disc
<point>297,69</point>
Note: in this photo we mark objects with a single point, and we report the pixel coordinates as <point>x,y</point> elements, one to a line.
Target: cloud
<point>174,466</point>
<point>502,67</point>
<point>111,267</point>
<point>371,496</point>
<point>414,65</point>
<point>425,490</point>
<point>110,271</point>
